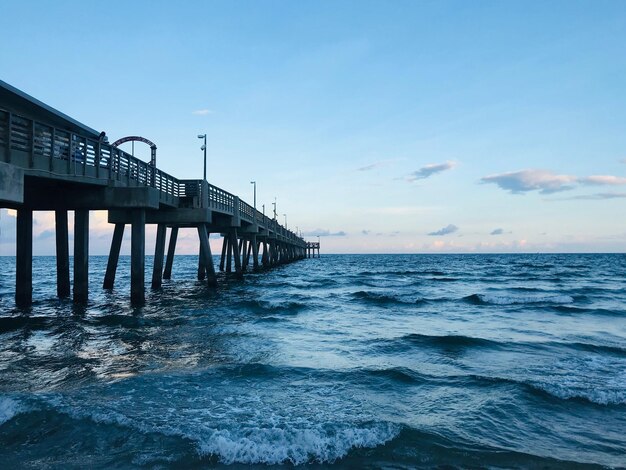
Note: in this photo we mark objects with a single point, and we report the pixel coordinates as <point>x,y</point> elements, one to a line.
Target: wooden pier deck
<point>51,162</point>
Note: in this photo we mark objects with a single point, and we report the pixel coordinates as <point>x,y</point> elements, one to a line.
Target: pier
<point>311,248</point>
<point>51,162</point>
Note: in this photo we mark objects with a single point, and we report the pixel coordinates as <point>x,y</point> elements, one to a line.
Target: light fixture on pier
<point>285,220</point>
<point>254,183</point>
<point>203,136</point>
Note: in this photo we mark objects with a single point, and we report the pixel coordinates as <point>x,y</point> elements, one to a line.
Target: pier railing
<point>57,150</point>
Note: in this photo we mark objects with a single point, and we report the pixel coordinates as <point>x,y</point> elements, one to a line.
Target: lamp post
<point>254,183</point>
<point>203,136</point>
<point>285,220</point>
<point>274,203</point>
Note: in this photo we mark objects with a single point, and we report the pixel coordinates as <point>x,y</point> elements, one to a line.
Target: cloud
<point>603,180</point>
<point>201,112</point>
<point>7,226</point>
<point>544,181</point>
<point>365,232</point>
<point>369,167</point>
<point>324,233</point>
<point>430,170</point>
<point>497,231</point>
<point>623,160</point>
<point>594,197</point>
<point>444,231</point>
<point>378,164</point>
<point>49,233</point>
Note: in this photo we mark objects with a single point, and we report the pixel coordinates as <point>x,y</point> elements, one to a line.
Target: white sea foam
<point>591,378</point>
<point>291,445</point>
<point>234,433</point>
<point>525,299</point>
<point>8,409</point>
<point>598,395</point>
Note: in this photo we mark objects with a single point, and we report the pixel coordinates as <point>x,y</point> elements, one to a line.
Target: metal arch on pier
<point>49,161</point>
<point>136,138</point>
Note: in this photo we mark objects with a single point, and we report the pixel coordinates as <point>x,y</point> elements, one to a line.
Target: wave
<point>567,390</point>
<point>448,340</point>
<point>496,299</point>
<point>269,436</point>
<point>448,450</point>
<point>294,445</point>
<point>265,307</point>
<point>402,272</point>
<point>577,310</point>
<point>383,299</point>
<point>9,408</point>
<point>401,375</point>
<point>445,279</point>
<point>462,341</point>
<point>591,394</point>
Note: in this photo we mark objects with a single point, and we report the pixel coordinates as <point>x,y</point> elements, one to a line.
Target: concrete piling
<point>159,253</point>
<point>62,253</point>
<point>24,258</point>
<point>81,255</point>
<point>114,255</point>
<point>137,256</point>
<point>169,262</point>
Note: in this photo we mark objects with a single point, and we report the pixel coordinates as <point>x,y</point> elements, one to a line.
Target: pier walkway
<point>51,162</point>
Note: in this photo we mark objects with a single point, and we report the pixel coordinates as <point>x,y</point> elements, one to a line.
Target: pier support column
<point>137,256</point>
<point>159,252</point>
<point>207,257</point>
<point>255,253</point>
<point>224,252</point>
<point>229,252</point>
<point>201,267</point>
<point>63,253</point>
<point>237,253</point>
<point>24,258</point>
<point>265,259</point>
<point>247,252</point>
<point>114,256</point>
<point>81,255</point>
<point>167,274</point>
<point>243,249</point>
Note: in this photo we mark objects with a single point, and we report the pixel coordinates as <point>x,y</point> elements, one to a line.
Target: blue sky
<point>382,126</point>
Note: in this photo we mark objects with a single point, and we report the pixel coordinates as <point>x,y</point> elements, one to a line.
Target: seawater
<point>416,361</point>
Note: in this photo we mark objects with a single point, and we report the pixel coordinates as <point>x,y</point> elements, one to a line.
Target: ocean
<point>347,361</point>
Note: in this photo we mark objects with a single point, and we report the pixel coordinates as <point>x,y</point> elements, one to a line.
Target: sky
<point>381,126</point>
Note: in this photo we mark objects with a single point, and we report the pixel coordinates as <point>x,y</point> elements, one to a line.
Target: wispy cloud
<point>378,164</point>
<point>497,231</point>
<point>593,197</point>
<point>324,233</point>
<point>431,169</point>
<point>603,180</point>
<point>366,232</point>
<point>369,167</point>
<point>201,112</point>
<point>444,231</point>
<point>49,233</point>
<point>544,181</point>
